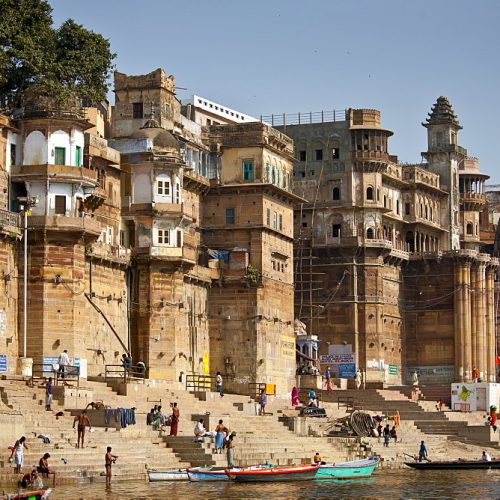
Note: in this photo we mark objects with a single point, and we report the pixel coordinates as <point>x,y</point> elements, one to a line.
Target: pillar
<point>458,339</point>
<point>481,344</point>
<point>474,319</point>
<point>490,325</point>
<point>467,322</point>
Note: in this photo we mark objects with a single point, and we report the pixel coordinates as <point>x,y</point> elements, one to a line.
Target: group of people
<point>158,420</point>
<point>313,401</point>
<point>224,439</point>
<point>32,478</point>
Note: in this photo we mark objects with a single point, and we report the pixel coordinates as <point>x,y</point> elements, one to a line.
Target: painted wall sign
<point>3,363</point>
<point>347,370</point>
<point>336,359</point>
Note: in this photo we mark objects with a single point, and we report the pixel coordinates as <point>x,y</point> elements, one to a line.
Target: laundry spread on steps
<point>125,416</point>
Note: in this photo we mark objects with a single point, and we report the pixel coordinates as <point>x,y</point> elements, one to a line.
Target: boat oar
<point>411,456</point>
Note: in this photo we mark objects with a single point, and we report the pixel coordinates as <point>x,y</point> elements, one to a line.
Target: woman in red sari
<point>175,420</point>
<point>295,397</point>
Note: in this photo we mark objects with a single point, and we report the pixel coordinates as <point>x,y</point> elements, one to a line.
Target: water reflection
<point>403,484</point>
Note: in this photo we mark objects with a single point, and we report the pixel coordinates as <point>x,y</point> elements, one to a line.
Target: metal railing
<point>42,371</point>
<point>200,383</point>
<point>127,374</point>
<point>255,388</point>
<point>304,118</point>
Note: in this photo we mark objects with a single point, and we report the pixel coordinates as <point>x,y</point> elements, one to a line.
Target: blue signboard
<point>3,363</point>
<point>347,370</point>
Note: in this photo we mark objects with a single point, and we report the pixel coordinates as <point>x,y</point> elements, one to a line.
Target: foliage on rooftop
<point>69,61</point>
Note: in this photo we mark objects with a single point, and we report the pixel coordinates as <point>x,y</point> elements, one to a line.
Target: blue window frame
<point>248,173</point>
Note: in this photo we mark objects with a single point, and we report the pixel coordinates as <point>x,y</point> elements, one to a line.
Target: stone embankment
<point>259,439</point>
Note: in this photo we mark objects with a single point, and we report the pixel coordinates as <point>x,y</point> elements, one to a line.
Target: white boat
<point>167,475</point>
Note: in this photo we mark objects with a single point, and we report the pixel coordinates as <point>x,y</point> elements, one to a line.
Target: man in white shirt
<point>486,457</point>
<point>218,384</point>
<point>63,361</point>
<point>200,431</point>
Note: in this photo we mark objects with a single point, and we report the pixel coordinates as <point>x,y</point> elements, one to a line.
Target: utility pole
<point>25,203</point>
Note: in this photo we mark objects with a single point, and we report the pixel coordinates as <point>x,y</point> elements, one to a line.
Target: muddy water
<point>401,484</point>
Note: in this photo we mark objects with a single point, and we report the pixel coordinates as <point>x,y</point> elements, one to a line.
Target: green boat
<point>348,470</point>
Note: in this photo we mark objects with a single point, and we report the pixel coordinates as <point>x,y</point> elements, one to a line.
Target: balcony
<point>472,201</point>
<point>55,173</point>
<point>185,254</point>
<point>65,223</point>
<point>112,253</point>
<point>370,155</point>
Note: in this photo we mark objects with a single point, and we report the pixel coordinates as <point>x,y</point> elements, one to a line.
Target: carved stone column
<point>459,322</point>
<point>467,345</point>
<point>490,325</point>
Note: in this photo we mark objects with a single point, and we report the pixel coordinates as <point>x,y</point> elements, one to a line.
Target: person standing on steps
<point>230,450</point>
<point>48,395</point>
<point>174,426</point>
<point>83,423</point>
<point>18,453</point>
<point>220,432</point>
<point>358,379</point>
<point>109,460</point>
<point>328,379</point>
<point>63,362</point>
<point>262,402</point>
<point>422,452</point>
<point>218,384</point>
<point>387,435</point>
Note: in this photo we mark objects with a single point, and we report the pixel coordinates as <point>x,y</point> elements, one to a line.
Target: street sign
<point>393,369</point>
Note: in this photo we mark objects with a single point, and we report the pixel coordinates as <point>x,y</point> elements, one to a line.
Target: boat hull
<point>347,470</point>
<point>196,475</point>
<point>273,474</point>
<point>167,475</point>
<point>456,464</point>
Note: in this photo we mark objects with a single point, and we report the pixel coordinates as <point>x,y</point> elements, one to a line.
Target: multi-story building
<point>389,255</point>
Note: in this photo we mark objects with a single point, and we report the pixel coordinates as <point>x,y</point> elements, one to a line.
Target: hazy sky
<point>276,56</point>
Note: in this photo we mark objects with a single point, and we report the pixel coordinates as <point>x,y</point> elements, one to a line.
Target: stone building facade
<point>192,238</point>
<point>389,255</point>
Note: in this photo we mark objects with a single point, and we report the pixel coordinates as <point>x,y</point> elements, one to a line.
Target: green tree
<point>69,62</point>
<point>27,43</point>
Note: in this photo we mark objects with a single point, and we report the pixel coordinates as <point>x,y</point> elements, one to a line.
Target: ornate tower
<point>444,157</point>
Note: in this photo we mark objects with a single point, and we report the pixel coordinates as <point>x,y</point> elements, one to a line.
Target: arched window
<point>369,233</point>
<point>469,229</point>
<point>336,193</point>
<point>369,193</point>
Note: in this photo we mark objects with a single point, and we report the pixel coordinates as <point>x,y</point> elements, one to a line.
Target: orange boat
<point>272,474</point>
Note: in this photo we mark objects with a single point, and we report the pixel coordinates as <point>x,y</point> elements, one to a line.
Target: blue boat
<point>207,474</point>
<point>348,470</point>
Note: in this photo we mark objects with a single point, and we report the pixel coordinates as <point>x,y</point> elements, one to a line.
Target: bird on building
<point>156,339</point>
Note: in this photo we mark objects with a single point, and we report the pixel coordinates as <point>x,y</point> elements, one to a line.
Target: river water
<point>398,484</point>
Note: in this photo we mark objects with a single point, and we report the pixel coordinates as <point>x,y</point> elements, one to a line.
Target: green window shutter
<point>78,156</point>
<point>60,156</point>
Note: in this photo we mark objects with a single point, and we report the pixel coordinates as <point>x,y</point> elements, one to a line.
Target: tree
<point>69,62</point>
<point>26,41</point>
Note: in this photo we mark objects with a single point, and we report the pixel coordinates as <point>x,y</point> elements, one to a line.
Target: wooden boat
<point>207,474</point>
<point>167,475</point>
<point>28,495</point>
<point>454,464</point>
<point>348,470</point>
<point>272,474</point>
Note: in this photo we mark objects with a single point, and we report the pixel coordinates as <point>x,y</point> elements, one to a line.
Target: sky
<point>285,56</point>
